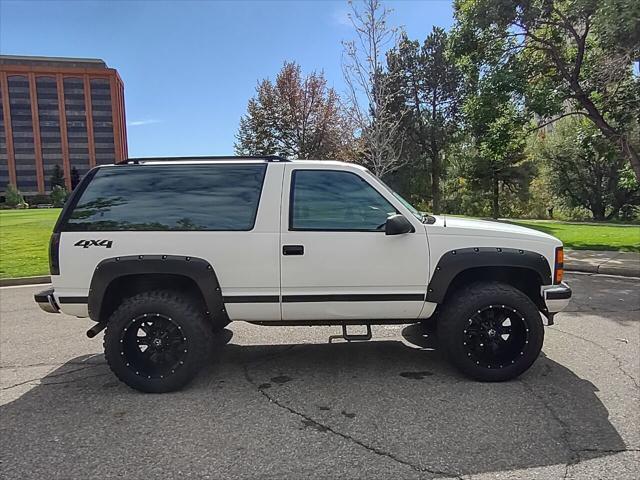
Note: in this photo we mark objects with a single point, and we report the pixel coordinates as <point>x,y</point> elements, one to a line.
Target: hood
<point>485,228</point>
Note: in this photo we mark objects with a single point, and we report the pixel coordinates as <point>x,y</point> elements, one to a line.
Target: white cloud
<point>137,123</point>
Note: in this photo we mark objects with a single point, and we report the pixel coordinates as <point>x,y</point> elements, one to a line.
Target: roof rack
<point>267,158</point>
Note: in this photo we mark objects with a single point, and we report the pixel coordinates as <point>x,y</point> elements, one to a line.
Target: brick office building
<point>57,111</point>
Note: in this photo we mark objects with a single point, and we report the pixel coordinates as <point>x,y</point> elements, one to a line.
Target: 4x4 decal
<point>93,243</point>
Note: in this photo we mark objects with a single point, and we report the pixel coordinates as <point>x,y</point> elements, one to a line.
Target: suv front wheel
<point>491,331</point>
<point>157,341</point>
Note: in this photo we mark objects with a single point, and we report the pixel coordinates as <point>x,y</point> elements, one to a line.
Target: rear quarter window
<point>173,197</point>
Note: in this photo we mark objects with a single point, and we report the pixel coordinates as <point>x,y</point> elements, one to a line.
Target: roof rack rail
<point>136,161</point>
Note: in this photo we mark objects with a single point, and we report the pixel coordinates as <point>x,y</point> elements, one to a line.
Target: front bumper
<point>46,301</point>
<point>556,297</point>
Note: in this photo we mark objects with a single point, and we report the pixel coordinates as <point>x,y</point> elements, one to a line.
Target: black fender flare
<point>197,269</point>
<point>454,262</point>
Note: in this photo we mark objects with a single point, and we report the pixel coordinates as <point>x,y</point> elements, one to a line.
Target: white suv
<point>164,253</point>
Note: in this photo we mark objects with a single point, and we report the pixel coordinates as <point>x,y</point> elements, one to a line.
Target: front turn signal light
<point>558,271</point>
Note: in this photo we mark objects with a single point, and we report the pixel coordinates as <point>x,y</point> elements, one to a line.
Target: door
<point>336,261</point>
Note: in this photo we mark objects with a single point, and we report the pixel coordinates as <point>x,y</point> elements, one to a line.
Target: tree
<point>57,177</point>
<point>294,117</point>
<point>578,56</point>
<point>13,197</point>
<point>372,90</point>
<point>499,160</point>
<point>58,196</point>
<point>586,171</point>
<point>75,177</point>
<point>430,92</point>
<point>496,124</point>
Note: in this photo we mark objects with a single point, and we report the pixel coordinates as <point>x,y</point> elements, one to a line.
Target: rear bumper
<point>556,297</point>
<point>46,301</point>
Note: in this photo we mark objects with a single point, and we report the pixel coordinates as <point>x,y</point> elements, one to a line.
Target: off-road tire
<point>455,317</point>
<point>195,329</point>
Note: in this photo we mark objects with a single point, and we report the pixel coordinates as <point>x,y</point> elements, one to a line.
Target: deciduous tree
<point>586,171</point>
<point>295,116</point>
<point>372,89</point>
<point>578,56</point>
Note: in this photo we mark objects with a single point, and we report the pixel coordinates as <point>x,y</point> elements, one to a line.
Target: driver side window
<point>331,200</point>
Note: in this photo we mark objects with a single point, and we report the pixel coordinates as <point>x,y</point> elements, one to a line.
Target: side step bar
<point>352,338</point>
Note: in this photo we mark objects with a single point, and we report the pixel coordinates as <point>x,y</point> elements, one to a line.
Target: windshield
<point>410,207</point>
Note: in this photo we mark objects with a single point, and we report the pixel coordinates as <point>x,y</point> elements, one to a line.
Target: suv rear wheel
<point>491,331</point>
<point>157,341</point>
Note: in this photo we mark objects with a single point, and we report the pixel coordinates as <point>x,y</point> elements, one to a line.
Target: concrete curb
<point>11,282</point>
<point>624,264</point>
<point>603,270</point>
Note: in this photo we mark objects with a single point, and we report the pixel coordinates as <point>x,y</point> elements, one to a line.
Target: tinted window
<point>333,200</point>
<point>155,197</point>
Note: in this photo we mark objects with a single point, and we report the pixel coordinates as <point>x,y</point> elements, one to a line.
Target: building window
<point>4,158</point>
<point>22,126</point>
<point>102,121</point>
<point>49,117</point>
<point>77,137</point>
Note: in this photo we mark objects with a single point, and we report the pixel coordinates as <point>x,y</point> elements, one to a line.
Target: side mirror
<point>398,224</point>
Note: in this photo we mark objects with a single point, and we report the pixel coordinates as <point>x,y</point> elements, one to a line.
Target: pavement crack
<point>606,350</point>
<point>604,450</point>
<point>52,375</point>
<point>326,428</point>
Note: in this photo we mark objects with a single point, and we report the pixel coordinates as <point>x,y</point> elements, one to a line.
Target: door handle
<point>293,249</point>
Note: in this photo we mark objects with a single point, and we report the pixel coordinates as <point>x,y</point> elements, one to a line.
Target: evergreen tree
<point>496,124</point>
<point>57,177</point>
<point>75,178</point>
<point>430,90</point>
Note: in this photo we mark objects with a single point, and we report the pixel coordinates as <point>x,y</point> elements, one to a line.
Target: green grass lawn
<point>589,236</point>
<point>24,241</point>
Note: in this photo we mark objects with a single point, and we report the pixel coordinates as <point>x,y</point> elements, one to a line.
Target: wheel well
<point>130,285</point>
<point>524,279</point>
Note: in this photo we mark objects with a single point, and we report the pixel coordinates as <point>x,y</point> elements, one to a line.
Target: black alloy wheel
<point>157,341</point>
<point>153,345</point>
<point>490,331</point>
<point>495,336</point>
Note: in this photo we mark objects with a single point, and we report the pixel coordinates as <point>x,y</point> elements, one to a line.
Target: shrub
<point>13,197</point>
<point>39,199</point>
<point>59,196</point>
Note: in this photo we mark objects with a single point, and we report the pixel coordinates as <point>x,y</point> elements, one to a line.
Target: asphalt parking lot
<point>282,402</point>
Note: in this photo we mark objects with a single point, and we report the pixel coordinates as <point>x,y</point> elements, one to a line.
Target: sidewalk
<point>626,264</point>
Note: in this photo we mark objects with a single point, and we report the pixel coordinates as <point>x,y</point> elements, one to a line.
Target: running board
<point>352,338</point>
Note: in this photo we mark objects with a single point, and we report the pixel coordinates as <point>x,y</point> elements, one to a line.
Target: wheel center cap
<point>491,332</point>
<point>157,342</point>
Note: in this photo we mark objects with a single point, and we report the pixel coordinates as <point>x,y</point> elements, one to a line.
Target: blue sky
<point>189,67</point>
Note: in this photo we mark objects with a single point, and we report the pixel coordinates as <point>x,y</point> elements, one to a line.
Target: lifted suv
<point>164,253</point>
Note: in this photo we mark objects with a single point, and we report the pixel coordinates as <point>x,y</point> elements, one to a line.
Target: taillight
<point>558,271</point>
<point>54,254</point>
